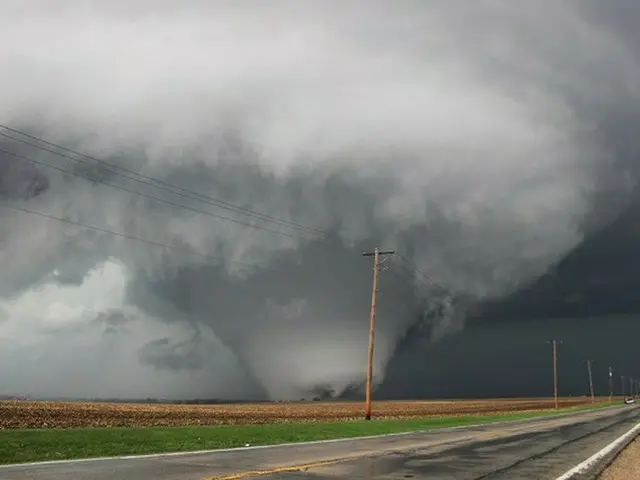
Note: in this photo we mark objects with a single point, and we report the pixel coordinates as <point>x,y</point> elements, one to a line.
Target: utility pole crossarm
<point>555,344</point>
<point>380,252</point>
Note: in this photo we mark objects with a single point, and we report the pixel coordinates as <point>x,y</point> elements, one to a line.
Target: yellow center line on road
<point>307,466</point>
<point>273,471</point>
<point>496,434</point>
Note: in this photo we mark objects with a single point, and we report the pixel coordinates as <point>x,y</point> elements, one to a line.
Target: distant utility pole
<point>622,384</point>
<point>631,387</point>
<point>610,384</point>
<point>555,344</point>
<point>376,254</point>
<point>593,397</point>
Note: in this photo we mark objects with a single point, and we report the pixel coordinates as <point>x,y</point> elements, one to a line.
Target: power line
<point>555,344</point>
<point>610,384</point>
<point>151,197</point>
<point>125,235</point>
<point>131,175</point>
<point>161,200</point>
<point>441,294</point>
<point>176,190</point>
<point>591,391</point>
<point>399,280</point>
<point>426,287</point>
<point>154,182</point>
<point>377,265</point>
<point>428,279</point>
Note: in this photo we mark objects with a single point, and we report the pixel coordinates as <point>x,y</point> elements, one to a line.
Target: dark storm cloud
<point>480,140</point>
<point>20,181</point>
<point>514,358</point>
<point>163,353</point>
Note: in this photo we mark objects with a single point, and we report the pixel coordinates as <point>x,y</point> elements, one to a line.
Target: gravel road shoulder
<point>626,466</point>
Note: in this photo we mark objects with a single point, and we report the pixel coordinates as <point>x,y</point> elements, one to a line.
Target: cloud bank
<point>479,141</point>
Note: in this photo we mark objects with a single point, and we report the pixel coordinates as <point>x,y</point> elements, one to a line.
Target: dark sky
<point>513,358</point>
<point>589,301</point>
<point>493,145</point>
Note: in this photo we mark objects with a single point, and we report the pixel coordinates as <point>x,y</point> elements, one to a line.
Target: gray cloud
<point>20,181</point>
<point>479,140</point>
<point>163,354</point>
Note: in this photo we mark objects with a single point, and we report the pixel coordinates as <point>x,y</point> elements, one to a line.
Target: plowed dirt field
<point>28,414</point>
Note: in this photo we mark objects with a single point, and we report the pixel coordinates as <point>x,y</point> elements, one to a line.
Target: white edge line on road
<point>292,444</point>
<point>598,456</point>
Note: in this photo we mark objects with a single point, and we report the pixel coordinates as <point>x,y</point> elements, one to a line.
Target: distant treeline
<point>12,397</point>
<point>196,401</point>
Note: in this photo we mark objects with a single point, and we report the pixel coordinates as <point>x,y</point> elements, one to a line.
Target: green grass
<point>19,446</point>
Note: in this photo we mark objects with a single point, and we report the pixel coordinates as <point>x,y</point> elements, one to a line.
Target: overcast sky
<point>481,140</point>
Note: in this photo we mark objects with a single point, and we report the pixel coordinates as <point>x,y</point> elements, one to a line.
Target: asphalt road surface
<point>528,449</point>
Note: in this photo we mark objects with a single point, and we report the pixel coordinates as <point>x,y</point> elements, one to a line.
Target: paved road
<point>529,449</point>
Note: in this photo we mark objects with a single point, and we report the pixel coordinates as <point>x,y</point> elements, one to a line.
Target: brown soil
<point>29,414</point>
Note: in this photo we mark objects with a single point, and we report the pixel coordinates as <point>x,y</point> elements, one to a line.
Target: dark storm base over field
<point>589,301</point>
<point>512,358</point>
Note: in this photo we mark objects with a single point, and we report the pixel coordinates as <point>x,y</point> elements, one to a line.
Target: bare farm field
<point>33,414</point>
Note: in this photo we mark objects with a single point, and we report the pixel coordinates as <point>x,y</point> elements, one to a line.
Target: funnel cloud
<point>482,141</point>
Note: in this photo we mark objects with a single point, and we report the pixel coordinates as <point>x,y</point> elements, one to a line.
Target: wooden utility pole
<point>555,371</point>
<point>622,384</point>
<point>610,384</point>
<point>376,254</point>
<point>593,397</point>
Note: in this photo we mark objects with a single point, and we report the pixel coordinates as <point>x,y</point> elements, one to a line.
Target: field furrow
<point>31,414</point>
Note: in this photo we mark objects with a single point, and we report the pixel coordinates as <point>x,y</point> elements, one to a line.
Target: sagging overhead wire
<point>426,280</point>
<point>150,181</point>
<point>88,160</point>
<point>150,197</point>
<point>215,259</point>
